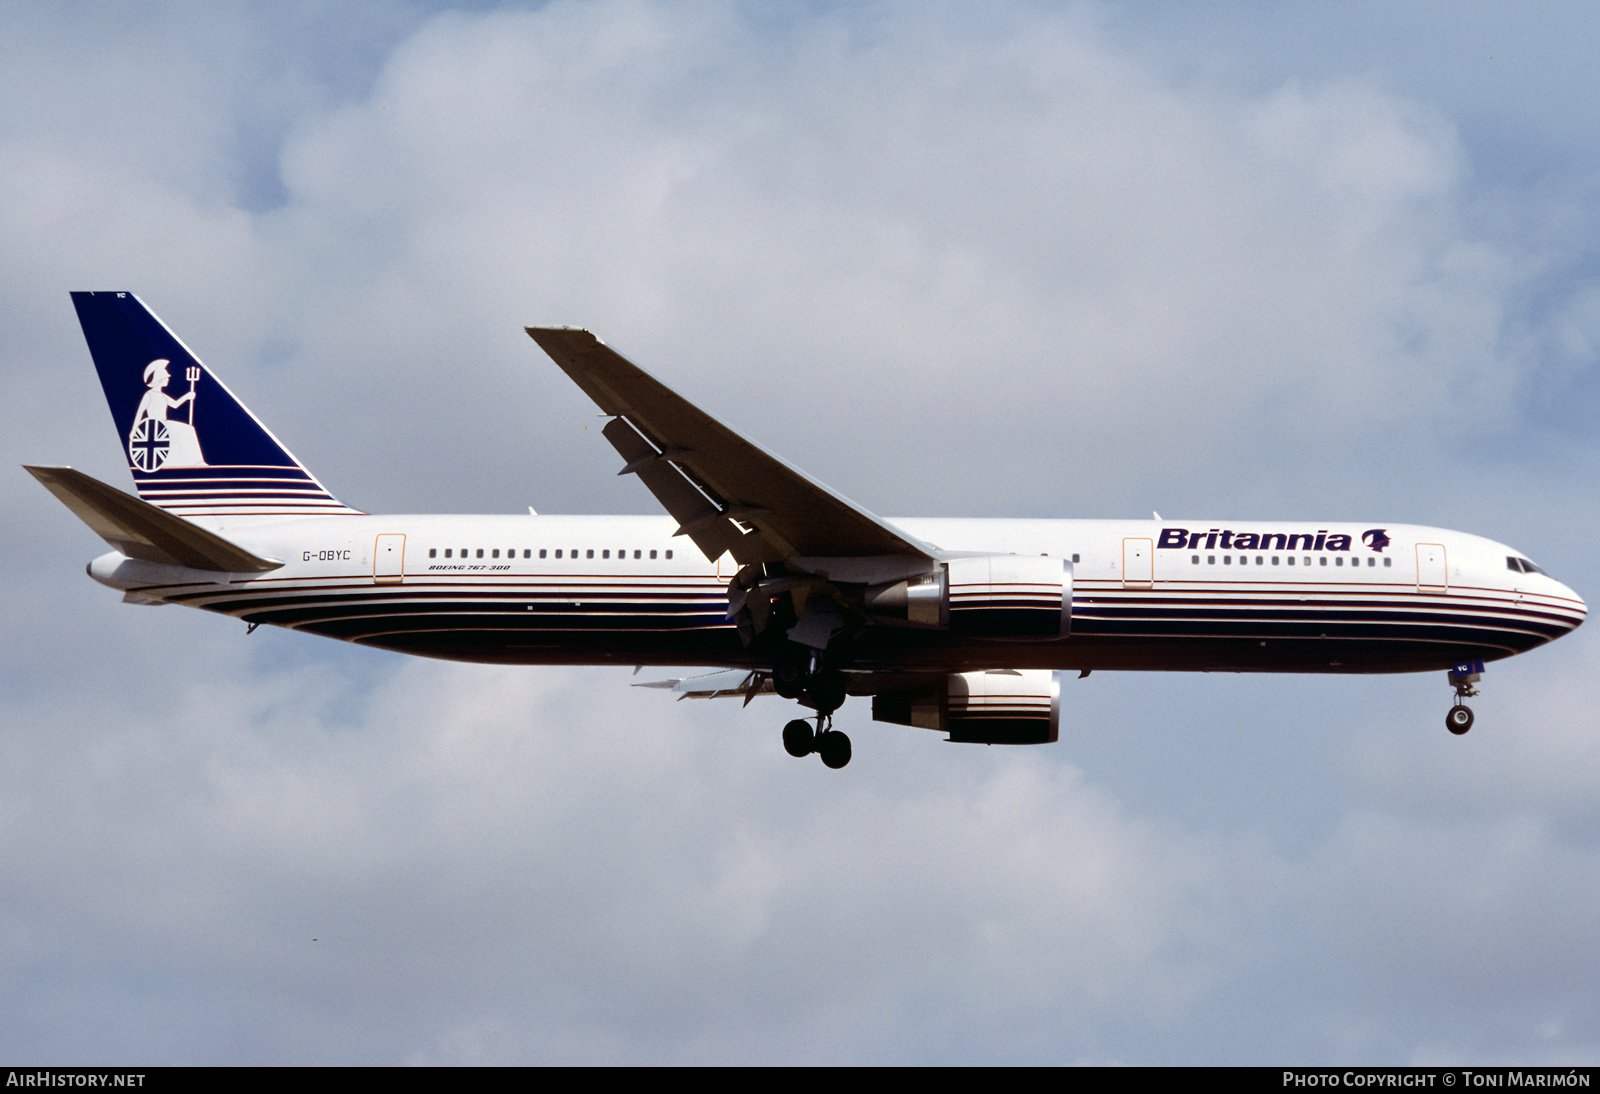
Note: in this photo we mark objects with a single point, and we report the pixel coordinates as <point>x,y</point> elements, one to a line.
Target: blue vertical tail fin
<point>193,448</point>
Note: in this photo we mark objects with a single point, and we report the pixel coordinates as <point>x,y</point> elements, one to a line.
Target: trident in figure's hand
<point>193,376</point>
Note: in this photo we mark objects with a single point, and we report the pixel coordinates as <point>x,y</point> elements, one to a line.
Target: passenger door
<point>1433,576</point>
<point>1138,562</point>
<point>389,559</point>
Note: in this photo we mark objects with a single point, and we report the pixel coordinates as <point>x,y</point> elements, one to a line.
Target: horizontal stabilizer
<point>144,531</point>
<point>147,601</point>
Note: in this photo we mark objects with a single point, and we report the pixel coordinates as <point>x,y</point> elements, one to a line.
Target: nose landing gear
<point>1464,675</point>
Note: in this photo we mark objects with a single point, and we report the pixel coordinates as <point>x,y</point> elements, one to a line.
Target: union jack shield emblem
<point>149,444</point>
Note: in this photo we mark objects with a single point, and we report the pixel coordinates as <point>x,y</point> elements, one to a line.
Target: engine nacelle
<point>994,707</point>
<point>1005,597</point>
<point>1010,596</point>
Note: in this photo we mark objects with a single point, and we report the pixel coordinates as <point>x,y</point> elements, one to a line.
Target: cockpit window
<point>1521,565</point>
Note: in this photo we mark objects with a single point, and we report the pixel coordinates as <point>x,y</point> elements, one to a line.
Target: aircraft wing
<point>726,493</point>
<point>730,683</point>
<point>746,684</point>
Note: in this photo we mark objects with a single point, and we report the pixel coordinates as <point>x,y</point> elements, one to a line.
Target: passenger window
<point>480,552</point>
<point>1074,557</point>
<point>1388,562</point>
<point>636,554</point>
<point>669,554</point>
<point>1211,560</point>
<point>1308,560</point>
<point>1194,560</point>
<point>652,554</point>
<point>1227,560</point>
<point>447,552</point>
<point>541,552</point>
<point>1323,560</point>
<point>603,554</point>
<point>492,554</point>
<point>1274,560</point>
<point>589,553</point>
<point>558,552</point>
<point>433,552</point>
<point>1291,560</point>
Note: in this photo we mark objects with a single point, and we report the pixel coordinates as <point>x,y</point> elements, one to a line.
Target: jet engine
<point>985,596</point>
<point>993,707</point>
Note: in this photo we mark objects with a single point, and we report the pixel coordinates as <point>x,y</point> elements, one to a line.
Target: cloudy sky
<point>1035,260</point>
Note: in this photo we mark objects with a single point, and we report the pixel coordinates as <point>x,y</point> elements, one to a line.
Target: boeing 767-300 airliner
<point>960,626</point>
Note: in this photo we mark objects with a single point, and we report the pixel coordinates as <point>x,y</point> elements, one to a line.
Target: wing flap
<point>698,516</point>
<point>144,531</point>
<point>701,470</point>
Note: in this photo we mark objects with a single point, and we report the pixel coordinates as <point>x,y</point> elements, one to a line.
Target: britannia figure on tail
<point>156,441</point>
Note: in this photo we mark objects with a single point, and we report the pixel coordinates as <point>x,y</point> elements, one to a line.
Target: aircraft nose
<point>1576,609</point>
<point>1582,608</point>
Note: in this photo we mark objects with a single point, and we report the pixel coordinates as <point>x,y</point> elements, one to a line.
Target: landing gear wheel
<point>835,748</point>
<point>799,739</point>
<point>789,677</point>
<point>1459,720</point>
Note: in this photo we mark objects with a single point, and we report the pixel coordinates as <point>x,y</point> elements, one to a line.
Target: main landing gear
<point>796,675</point>
<point>799,739</point>
<point>799,675</point>
<point>1463,676</point>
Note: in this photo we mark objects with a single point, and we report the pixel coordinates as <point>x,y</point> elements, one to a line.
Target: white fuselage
<point>617,589</point>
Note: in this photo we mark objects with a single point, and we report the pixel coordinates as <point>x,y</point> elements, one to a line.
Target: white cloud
<point>974,263</point>
<point>949,233</point>
<point>524,843</point>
